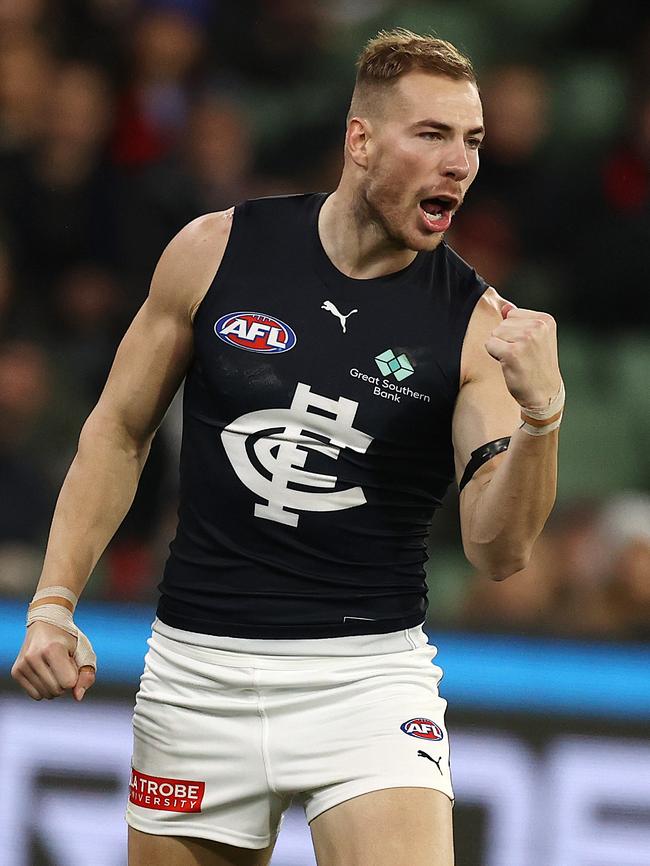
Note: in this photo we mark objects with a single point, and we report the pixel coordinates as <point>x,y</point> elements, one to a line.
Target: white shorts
<point>227,731</point>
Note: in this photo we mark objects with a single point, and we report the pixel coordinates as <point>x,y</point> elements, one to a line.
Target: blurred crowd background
<point>121,120</point>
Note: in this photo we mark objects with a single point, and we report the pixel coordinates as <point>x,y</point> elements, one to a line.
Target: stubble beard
<point>377,207</point>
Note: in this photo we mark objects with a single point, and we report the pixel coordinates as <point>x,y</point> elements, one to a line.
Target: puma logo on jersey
<point>268,450</point>
<point>331,308</point>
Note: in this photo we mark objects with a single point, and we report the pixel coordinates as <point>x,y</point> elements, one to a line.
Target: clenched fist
<point>45,666</point>
<point>525,344</point>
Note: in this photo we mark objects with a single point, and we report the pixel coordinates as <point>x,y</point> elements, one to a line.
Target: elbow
<point>498,564</point>
<point>506,569</point>
<point>103,431</point>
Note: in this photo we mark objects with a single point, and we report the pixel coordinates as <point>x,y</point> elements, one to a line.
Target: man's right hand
<point>45,666</point>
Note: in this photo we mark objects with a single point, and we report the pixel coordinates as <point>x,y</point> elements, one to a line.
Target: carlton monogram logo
<point>268,450</point>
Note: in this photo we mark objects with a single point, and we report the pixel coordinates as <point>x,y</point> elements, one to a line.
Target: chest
<point>382,361</point>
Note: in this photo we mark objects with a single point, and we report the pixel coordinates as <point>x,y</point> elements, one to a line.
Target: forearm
<point>508,507</point>
<point>94,499</point>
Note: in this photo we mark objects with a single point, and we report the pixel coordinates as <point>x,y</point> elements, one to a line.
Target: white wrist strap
<point>540,421</point>
<point>60,616</point>
<point>541,431</point>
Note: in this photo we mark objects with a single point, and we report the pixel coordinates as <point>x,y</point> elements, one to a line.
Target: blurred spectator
<point>212,168</point>
<point>516,108</point>
<point>523,603</point>
<point>508,225</point>
<point>611,215</point>
<point>486,234</point>
<point>26,493</point>
<point>60,198</point>
<point>166,48</point>
<point>514,163</point>
<point>6,290</point>
<point>271,43</point>
<point>589,576</point>
<point>625,524</point>
<point>579,571</point>
<point>24,388</point>
<point>20,16</point>
<point>87,320</point>
<point>26,69</point>
<point>40,415</point>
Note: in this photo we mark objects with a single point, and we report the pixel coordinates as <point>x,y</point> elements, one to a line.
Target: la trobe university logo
<point>268,450</point>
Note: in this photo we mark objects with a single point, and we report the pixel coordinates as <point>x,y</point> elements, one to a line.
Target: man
<point>339,364</point>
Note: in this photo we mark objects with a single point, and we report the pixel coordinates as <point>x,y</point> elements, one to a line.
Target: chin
<point>419,242</point>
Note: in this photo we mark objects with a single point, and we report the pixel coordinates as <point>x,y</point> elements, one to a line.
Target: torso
<point>317,435</point>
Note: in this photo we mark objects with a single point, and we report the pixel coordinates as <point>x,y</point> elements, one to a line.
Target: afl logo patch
<point>423,729</point>
<point>255,332</point>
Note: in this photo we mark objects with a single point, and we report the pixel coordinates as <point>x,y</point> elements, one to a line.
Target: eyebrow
<point>444,127</point>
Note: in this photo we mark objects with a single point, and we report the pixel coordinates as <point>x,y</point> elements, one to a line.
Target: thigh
<point>198,766</point>
<point>390,827</point>
<point>146,849</point>
<point>379,729</point>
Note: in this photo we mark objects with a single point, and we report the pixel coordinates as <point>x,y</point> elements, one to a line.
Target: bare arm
<point>99,488</point>
<point>505,506</point>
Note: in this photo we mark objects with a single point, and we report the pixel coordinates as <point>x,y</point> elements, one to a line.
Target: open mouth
<point>437,212</point>
<point>437,209</point>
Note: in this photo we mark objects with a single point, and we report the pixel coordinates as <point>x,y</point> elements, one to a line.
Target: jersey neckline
<point>331,275</point>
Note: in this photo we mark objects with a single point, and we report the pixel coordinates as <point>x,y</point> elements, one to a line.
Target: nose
<point>456,163</point>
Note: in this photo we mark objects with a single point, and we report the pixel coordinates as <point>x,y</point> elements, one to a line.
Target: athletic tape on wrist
<point>555,405</point>
<point>56,592</point>
<point>542,421</point>
<point>60,616</point>
<point>541,431</point>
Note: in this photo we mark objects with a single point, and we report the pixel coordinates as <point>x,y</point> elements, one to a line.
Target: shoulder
<point>463,284</point>
<point>286,201</point>
<point>279,214</point>
<point>488,308</point>
<point>463,271</point>
<point>485,317</point>
<point>190,262</point>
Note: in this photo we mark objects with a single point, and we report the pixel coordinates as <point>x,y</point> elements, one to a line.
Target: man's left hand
<point>525,344</point>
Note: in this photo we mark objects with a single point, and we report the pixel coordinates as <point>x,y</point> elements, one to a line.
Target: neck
<point>355,241</point>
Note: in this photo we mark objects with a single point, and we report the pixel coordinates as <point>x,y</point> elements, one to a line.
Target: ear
<point>357,137</point>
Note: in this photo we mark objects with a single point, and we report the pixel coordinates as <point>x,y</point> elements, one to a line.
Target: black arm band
<point>482,455</point>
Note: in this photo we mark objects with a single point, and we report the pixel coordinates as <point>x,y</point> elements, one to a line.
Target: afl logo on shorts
<point>255,332</point>
<point>423,729</point>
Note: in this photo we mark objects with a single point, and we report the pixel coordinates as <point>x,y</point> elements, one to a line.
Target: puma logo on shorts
<point>435,761</point>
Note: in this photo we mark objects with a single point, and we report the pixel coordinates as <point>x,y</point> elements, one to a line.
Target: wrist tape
<point>58,615</point>
<point>539,421</point>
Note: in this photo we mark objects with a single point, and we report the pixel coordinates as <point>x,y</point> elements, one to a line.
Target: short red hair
<point>392,53</point>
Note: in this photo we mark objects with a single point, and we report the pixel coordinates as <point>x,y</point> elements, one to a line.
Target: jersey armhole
<point>461,326</point>
<point>229,256</point>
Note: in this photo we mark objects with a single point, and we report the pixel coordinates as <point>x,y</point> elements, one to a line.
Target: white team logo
<point>328,305</point>
<point>268,450</point>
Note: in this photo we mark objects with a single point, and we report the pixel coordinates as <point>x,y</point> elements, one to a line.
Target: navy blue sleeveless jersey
<point>317,435</point>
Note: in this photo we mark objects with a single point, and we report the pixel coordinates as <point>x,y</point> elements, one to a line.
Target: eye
<point>474,143</point>
<point>430,136</point>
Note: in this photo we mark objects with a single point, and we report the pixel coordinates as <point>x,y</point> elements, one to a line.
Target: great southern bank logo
<point>392,367</point>
<point>255,332</point>
<point>398,365</point>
